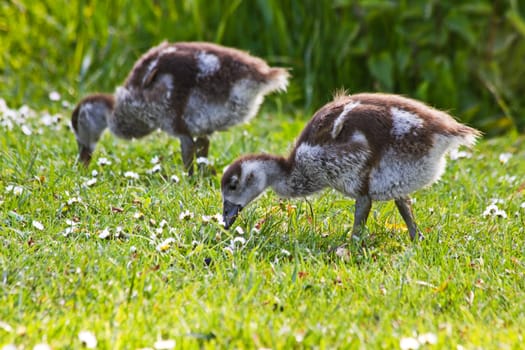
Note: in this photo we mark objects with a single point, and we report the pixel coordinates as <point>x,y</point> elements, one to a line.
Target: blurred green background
<point>466,57</point>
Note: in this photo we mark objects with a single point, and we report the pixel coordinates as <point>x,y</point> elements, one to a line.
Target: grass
<point>133,261</point>
<point>277,286</point>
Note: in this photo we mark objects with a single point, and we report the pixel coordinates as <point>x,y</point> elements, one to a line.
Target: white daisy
<point>409,344</point>
<point>285,252</point>
<point>427,338</point>
<point>104,234</point>
<point>165,245</point>
<point>54,96</point>
<point>103,161</point>
<point>73,200</point>
<point>26,130</point>
<point>218,217</point>
<point>14,189</point>
<point>119,231</point>
<point>89,183</point>
<point>88,339</point>
<point>6,327</point>
<point>238,240</point>
<point>164,344</point>
<point>493,210</point>
<point>49,120</point>
<point>131,175</point>
<point>186,215</point>
<point>156,168</point>
<point>38,225</point>
<point>203,160</point>
<point>68,231</point>
<point>504,157</point>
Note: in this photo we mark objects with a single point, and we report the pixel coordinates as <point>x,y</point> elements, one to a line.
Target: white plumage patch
<point>404,122</point>
<point>359,137</point>
<point>339,122</point>
<point>207,63</point>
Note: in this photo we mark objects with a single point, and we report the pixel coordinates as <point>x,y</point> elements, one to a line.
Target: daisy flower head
<point>156,168</point>
<point>186,215</point>
<point>103,161</point>
<point>494,211</point>
<point>38,225</point>
<point>14,189</point>
<point>504,157</point>
<point>131,175</point>
<point>54,96</point>
<point>88,339</point>
<point>164,344</point>
<point>203,160</point>
<point>165,245</point>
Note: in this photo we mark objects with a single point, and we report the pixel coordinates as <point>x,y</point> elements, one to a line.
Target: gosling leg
<point>362,209</point>
<point>187,147</point>
<point>404,205</point>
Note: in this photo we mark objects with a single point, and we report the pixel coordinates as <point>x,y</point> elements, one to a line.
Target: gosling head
<point>89,120</point>
<point>242,182</point>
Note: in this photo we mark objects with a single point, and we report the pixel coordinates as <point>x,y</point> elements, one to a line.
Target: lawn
<point>129,253</point>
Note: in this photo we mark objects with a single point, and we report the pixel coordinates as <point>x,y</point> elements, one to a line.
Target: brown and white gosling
<point>370,146</point>
<point>187,89</point>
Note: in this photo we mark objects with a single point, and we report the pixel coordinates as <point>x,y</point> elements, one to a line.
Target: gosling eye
<point>234,183</point>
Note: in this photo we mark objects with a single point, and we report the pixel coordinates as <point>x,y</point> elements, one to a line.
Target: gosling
<point>369,146</point>
<point>187,89</point>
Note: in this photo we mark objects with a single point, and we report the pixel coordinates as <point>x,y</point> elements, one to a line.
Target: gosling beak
<point>230,213</point>
<point>84,154</point>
